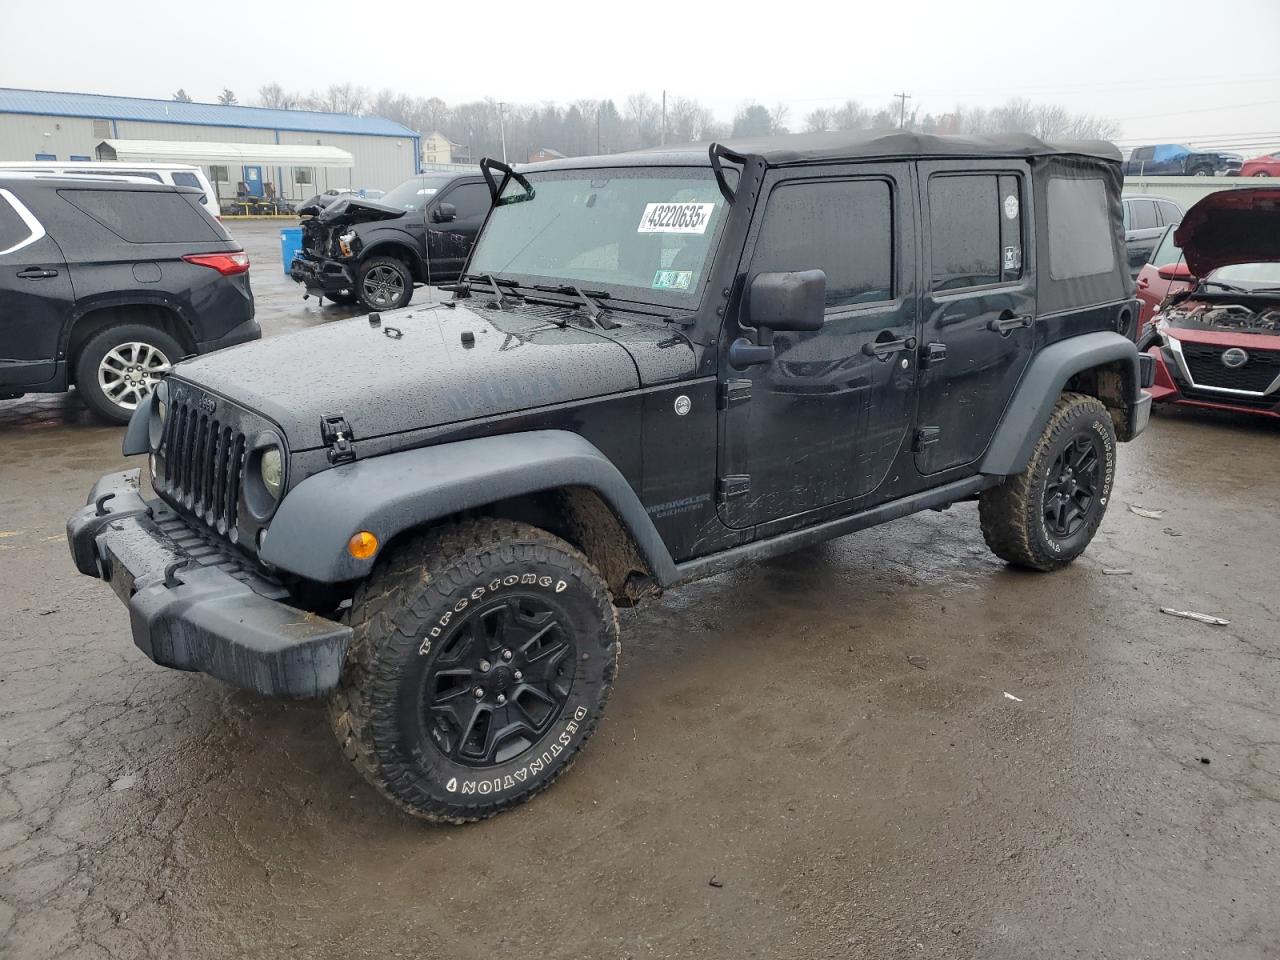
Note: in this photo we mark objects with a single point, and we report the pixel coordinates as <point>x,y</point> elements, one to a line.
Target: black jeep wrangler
<point>373,252</point>
<point>657,366</point>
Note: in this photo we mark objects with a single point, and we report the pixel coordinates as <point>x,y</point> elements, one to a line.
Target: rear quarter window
<point>1080,235</point>
<point>13,229</point>
<point>145,216</point>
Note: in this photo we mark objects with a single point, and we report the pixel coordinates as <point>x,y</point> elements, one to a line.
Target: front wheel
<point>384,283</point>
<point>482,658</point>
<point>1045,516</point>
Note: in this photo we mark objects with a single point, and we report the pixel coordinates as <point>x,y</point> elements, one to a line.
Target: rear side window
<point>975,229</point>
<point>1142,215</point>
<point>144,216</point>
<point>1169,213</point>
<point>182,179</point>
<point>844,228</point>
<point>13,229</point>
<point>1080,233</point>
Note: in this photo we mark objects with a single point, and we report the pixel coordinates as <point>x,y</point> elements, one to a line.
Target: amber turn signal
<point>362,545</point>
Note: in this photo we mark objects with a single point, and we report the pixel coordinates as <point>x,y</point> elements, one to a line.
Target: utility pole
<point>502,130</point>
<point>902,108</point>
<point>598,151</point>
<point>664,118</point>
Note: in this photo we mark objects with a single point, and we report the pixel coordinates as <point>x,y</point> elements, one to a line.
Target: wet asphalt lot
<point>815,757</point>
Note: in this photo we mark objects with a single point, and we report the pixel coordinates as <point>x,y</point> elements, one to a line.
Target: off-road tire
<point>93,352</point>
<point>1013,514</point>
<point>421,601</point>
<point>373,266</point>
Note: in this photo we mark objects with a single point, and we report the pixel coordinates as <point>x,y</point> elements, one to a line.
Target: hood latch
<point>335,432</point>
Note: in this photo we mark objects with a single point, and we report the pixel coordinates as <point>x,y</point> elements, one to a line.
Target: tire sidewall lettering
<point>497,584</point>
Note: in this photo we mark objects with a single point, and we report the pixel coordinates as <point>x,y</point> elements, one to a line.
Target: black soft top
<point>802,148</point>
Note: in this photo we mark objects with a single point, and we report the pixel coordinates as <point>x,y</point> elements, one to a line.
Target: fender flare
<point>1032,404</point>
<point>395,492</point>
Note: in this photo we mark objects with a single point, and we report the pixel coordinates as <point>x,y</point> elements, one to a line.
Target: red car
<point>1152,286</point>
<point>1218,342</point>
<point>1268,166</point>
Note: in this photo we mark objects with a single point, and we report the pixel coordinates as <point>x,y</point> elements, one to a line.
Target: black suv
<point>374,251</point>
<point>104,284</point>
<point>657,366</point>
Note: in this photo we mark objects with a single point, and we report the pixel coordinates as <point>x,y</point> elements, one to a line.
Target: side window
<point>1080,228</point>
<point>1169,213</point>
<point>184,179</point>
<point>975,229</point>
<point>1128,219</point>
<point>144,216</point>
<point>17,226</point>
<point>1143,214</point>
<point>844,228</point>
<point>1143,153</point>
<point>470,199</point>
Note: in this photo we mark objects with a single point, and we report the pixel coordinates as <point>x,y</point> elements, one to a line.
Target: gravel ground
<point>821,756</point>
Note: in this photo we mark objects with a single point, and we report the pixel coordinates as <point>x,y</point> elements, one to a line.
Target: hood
<point>413,371</point>
<point>1231,226</point>
<point>356,210</point>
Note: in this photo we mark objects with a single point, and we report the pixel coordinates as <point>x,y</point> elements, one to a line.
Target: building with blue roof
<point>51,125</point>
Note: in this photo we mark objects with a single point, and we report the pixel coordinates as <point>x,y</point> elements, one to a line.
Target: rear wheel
<point>384,283</point>
<point>120,365</point>
<point>482,658</point>
<point>1045,516</point>
<point>1262,173</point>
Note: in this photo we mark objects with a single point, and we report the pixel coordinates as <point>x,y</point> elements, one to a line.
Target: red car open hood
<point>1231,226</point>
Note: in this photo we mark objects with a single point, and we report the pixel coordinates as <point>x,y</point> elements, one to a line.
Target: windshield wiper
<point>1229,287</point>
<point>495,283</point>
<point>587,299</point>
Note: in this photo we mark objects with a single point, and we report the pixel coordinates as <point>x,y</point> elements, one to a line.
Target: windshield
<point>1167,252</point>
<point>1248,275</point>
<point>415,193</point>
<point>642,234</point>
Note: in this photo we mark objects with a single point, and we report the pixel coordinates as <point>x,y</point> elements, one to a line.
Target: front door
<point>449,241</point>
<point>823,421</point>
<point>35,295</point>
<point>253,180</point>
<point>979,305</point>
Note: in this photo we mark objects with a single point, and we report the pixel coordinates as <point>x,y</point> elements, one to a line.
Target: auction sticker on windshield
<point>676,217</point>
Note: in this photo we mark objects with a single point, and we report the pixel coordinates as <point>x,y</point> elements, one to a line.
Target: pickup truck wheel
<point>384,283</point>
<point>120,365</point>
<point>482,658</point>
<point>1045,516</point>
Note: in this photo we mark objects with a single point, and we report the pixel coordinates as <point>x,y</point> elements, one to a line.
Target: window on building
<point>79,159</point>
<point>46,156</point>
<point>975,230</point>
<point>1080,232</point>
<point>302,175</point>
<point>844,228</point>
<point>102,129</point>
<point>219,174</point>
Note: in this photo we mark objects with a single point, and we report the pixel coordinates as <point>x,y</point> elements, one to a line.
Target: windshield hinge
<point>736,485</point>
<point>335,433</point>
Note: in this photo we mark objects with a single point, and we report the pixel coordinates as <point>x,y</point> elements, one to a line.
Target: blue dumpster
<point>290,245</point>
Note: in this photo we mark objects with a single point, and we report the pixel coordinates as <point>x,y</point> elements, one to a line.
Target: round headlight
<point>271,469</point>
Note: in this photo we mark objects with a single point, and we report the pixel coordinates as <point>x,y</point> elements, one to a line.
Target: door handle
<point>882,349</point>
<point>37,273</point>
<point>1006,323</point>
<point>1144,283</point>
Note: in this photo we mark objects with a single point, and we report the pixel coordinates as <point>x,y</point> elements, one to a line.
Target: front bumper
<point>1170,386</point>
<point>195,605</point>
<point>322,276</point>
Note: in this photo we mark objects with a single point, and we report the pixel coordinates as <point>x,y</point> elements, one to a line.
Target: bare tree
<point>643,118</point>
<point>273,95</point>
<point>818,121</point>
<point>778,119</point>
<point>340,98</point>
<point>687,120</point>
<point>227,98</point>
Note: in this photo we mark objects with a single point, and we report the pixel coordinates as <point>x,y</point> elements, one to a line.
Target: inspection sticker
<point>672,279</point>
<point>676,217</point>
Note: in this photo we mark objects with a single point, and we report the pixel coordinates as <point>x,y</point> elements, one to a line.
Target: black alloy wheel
<point>1072,487</point>
<point>500,681</point>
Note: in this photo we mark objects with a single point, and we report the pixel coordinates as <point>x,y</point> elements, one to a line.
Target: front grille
<point>1231,399</point>
<point>203,460</point>
<point>1205,363</point>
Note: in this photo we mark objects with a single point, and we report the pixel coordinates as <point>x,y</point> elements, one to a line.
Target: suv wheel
<point>482,658</point>
<point>1045,516</point>
<point>385,283</point>
<point>120,365</point>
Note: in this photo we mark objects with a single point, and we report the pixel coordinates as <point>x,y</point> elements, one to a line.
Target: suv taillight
<point>227,264</point>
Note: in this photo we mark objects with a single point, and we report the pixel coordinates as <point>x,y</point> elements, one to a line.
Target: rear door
<point>36,298</point>
<point>1143,233</point>
<point>978,305</point>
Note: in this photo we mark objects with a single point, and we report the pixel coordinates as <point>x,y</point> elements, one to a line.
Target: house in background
<point>437,148</point>
<point>545,153</point>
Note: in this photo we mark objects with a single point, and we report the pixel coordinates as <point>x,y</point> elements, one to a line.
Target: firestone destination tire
<point>1045,516</point>
<point>483,656</point>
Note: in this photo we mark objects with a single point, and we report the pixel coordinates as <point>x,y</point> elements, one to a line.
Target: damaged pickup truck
<point>373,252</point>
<point>1217,341</point>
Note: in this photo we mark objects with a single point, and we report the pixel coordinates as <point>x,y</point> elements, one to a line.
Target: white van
<point>180,175</point>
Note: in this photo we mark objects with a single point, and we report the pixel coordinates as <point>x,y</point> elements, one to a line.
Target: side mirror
<point>1176,271</point>
<point>779,301</point>
<point>444,213</point>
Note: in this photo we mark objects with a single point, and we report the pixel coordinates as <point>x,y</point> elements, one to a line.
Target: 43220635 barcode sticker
<point>676,217</point>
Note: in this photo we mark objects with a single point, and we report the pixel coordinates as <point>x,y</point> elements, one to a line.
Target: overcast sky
<point>1169,70</point>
